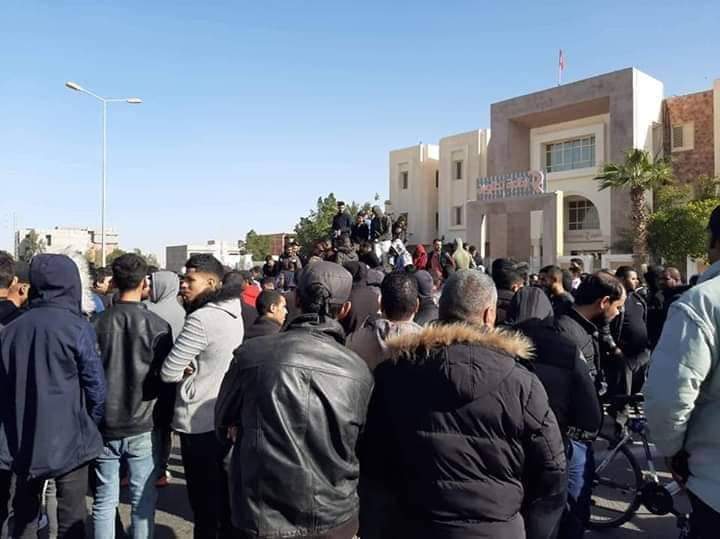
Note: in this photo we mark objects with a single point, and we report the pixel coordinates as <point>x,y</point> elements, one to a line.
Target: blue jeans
<point>581,467</point>
<point>142,464</point>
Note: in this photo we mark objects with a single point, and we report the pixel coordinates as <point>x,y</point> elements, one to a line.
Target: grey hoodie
<point>369,341</point>
<point>163,300</point>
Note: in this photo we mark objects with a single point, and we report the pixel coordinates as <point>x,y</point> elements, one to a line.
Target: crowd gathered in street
<point>351,388</point>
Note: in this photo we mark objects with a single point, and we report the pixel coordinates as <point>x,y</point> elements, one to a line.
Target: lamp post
<point>104,100</point>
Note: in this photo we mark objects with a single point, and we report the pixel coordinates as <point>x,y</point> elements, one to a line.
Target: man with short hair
<point>456,409</point>
<point>672,286</point>
<point>342,222</point>
<point>626,371</point>
<point>434,264</point>
<point>52,397</point>
<point>239,281</point>
<point>272,311</point>
<point>551,280</point>
<point>381,233</point>
<point>15,301</point>
<point>7,280</point>
<point>133,344</point>
<point>102,288</point>
<point>597,302</point>
<point>399,304</point>
<point>198,361</point>
<point>360,231</point>
<point>507,282</point>
<point>294,406</point>
<point>682,392</point>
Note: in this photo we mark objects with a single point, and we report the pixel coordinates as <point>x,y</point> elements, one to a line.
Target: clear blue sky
<point>254,109</point>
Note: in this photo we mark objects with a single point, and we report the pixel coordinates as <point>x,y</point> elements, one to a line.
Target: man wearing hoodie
<point>381,233</point>
<point>198,361</point>
<point>399,305</point>
<point>461,257</point>
<point>428,310</point>
<point>51,433</point>
<point>682,394</point>
<point>164,287</point>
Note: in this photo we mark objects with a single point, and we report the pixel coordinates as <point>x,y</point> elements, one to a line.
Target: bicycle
<point>620,486</point>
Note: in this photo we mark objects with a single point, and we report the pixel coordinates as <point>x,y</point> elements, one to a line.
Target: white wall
<point>579,182</point>
<point>647,110</point>
<point>419,200</point>
<point>471,147</point>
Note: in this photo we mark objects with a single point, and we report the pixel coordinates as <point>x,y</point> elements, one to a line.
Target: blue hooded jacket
<point>52,385</point>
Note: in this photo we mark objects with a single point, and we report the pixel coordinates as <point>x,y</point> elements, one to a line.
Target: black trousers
<point>207,485</point>
<point>71,510</point>
<point>5,482</point>
<point>704,521</point>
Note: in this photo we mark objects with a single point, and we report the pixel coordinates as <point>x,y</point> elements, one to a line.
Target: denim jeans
<point>581,467</point>
<point>142,465</point>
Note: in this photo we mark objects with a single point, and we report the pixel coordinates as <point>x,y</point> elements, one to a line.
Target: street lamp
<point>105,100</point>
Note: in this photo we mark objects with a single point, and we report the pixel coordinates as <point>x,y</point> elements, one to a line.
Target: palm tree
<point>638,173</point>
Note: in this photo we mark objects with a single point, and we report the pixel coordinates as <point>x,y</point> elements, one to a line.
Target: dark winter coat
<point>428,311</point>
<point>262,326</point>
<point>364,302</point>
<point>52,386</point>
<point>462,437</point>
<point>504,297</point>
<point>133,342</point>
<point>562,303</point>
<point>299,401</point>
<point>8,312</point>
<point>360,233</point>
<point>585,335</point>
<point>342,223</point>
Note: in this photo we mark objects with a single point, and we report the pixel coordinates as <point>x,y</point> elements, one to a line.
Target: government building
<point>525,187</point>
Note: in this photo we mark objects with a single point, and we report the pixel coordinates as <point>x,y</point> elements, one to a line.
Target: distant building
<point>562,136</point>
<point>58,239</point>
<point>229,253</point>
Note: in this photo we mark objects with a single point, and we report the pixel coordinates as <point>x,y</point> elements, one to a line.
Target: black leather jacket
<point>298,400</point>
<point>133,344</point>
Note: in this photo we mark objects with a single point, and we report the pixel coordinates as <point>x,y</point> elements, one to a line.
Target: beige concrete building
<point>60,239</point>
<point>414,190</point>
<point>567,133</point>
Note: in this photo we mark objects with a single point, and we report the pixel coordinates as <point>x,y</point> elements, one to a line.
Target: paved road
<point>173,515</point>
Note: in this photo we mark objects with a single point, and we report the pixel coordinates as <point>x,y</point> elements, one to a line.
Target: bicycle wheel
<point>616,487</point>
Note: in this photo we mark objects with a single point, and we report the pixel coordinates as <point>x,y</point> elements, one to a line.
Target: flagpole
<point>560,68</point>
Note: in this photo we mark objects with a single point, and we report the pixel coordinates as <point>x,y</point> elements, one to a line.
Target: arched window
<point>581,214</point>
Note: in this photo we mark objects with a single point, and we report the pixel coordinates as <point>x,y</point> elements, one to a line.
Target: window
<point>48,240</point>
<point>570,154</point>
<point>582,215</point>
<point>677,136</point>
<point>404,179</point>
<point>437,221</point>
<point>682,137</point>
<point>457,216</point>
<point>437,179</point>
<point>458,170</point>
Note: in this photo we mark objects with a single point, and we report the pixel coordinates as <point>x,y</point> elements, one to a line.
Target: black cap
<point>714,224</point>
<point>332,277</point>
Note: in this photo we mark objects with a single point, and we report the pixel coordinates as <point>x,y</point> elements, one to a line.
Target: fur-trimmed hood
<point>443,335</point>
<point>455,364</point>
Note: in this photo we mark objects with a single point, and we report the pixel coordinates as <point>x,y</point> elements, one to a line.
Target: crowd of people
<point>358,391</point>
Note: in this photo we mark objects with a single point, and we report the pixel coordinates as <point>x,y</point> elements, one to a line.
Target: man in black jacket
<point>597,302</point>
<point>342,222</point>
<point>133,344</point>
<point>566,378</point>
<point>460,435</point>
<point>551,280</point>
<point>272,310</point>
<point>428,311</point>
<point>294,406</point>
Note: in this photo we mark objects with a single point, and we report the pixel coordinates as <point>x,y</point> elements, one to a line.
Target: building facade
<point>229,253</point>
<point>568,133</point>
<point>60,239</point>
